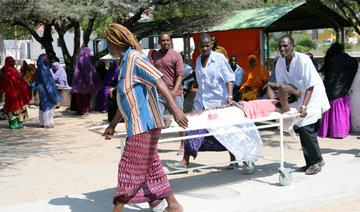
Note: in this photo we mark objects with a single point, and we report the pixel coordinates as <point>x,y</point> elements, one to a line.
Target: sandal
<point>180,152</point>
<point>176,166</point>
<point>160,207</point>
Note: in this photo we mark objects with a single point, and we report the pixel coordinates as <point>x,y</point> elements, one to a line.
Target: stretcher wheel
<point>248,167</point>
<point>285,177</point>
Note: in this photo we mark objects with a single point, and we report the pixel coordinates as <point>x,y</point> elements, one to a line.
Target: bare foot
<point>182,163</point>
<point>175,207</point>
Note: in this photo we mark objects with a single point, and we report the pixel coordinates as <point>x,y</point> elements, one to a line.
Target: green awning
<point>290,17</point>
<point>255,18</point>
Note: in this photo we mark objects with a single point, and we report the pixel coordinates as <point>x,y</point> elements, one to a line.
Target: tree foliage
<point>92,16</point>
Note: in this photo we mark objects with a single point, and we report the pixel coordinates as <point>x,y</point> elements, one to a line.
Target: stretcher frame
<point>285,174</point>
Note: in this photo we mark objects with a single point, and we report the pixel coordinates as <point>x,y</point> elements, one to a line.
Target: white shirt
<point>303,75</point>
<point>212,81</point>
<point>239,72</point>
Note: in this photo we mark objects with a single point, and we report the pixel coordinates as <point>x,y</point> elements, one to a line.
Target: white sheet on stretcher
<point>234,131</point>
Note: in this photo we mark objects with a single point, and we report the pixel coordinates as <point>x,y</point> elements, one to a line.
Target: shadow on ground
<point>18,145</point>
<point>101,200</point>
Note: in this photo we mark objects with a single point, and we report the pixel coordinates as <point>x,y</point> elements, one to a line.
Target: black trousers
<point>309,144</point>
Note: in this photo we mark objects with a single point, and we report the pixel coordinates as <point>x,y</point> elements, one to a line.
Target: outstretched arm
<point>179,116</point>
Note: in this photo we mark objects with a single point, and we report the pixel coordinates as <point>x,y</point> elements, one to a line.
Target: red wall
<point>240,43</point>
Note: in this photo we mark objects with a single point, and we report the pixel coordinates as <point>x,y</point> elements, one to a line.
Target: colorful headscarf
<point>121,36</point>
<point>48,91</point>
<point>254,76</point>
<point>7,61</point>
<point>85,80</point>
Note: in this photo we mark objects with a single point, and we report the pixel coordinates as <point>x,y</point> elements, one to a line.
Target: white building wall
<point>36,48</point>
<point>177,44</point>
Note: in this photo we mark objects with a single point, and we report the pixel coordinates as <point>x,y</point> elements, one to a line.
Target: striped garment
<point>141,177</point>
<point>137,95</point>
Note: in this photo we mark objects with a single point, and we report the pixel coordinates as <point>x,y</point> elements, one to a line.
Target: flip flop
<point>176,166</point>
<point>180,152</point>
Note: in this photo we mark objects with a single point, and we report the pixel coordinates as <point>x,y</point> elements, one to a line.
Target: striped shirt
<point>137,95</point>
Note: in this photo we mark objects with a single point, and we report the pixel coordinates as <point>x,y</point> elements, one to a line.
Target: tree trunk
<point>87,32</point>
<point>45,40</point>
<point>3,49</point>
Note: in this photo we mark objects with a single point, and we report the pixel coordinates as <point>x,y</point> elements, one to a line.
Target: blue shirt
<point>239,72</point>
<point>137,96</point>
<point>212,81</point>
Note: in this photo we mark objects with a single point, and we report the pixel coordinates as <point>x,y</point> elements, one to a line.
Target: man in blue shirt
<point>239,72</point>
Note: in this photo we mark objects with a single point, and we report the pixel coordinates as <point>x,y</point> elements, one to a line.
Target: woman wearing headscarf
<point>85,82</point>
<point>339,72</point>
<point>48,92</point>
<point>110,81</point>
<point>101,69</point>
<point>16,95</point>
<point>59,75</point>
<point>60,78</point>
<point>30,75</point>
<point>141,177</point>
<point>24,68</point>
<point>254,80</point>
<point>30,79</point>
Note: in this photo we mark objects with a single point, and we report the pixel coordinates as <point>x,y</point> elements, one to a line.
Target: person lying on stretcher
<point>281,96</point>
<point>286,94</point>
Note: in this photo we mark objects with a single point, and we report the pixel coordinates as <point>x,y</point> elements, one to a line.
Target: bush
<point>274,45</point>
<point>348,45</point>
<point>305,41</point>
<point>302,49</point>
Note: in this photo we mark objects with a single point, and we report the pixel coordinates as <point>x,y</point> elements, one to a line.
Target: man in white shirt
<point>215,79</point>
<point>297,69</point>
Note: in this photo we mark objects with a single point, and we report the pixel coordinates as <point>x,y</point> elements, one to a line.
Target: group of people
<point>218,81</point>
<point>48,78</point>
<point>19,90</point>
<point>150,86</point>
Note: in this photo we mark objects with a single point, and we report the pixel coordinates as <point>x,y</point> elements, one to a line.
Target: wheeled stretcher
<point>222,123</point>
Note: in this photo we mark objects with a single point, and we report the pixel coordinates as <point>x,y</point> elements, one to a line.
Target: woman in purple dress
<point>86,81</point>
<point>110,82</point>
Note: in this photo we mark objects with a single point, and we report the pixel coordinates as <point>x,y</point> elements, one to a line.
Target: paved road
<point>79,175</point>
